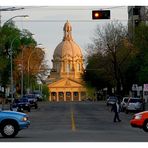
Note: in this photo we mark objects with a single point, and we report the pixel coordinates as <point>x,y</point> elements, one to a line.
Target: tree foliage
<point>141,42</point>
<point>21,43</point>
<point>32,62</point>
<point>112,53</point>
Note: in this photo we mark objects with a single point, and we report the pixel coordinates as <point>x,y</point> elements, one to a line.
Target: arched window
<point>68,68</point>
<point>78,66</point>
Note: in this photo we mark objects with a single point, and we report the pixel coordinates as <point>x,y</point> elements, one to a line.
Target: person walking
<point>116,110</point>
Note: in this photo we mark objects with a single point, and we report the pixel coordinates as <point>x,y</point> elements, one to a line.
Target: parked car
<point>140,120</point>
<point>124,103</point>
<point>38,95</point>
<point>134,104</point>
<point>111,100</point>
<point>32,100</point>
<point>12,122</point>
<point>21,104</point>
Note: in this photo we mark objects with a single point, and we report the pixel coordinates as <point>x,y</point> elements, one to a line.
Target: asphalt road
<point>78,122</point>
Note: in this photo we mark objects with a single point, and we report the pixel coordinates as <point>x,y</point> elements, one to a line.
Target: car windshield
<point>30,96</point>
<point>112,98</point>
<point>126,100</point>
<point>134,100</point>
<point>16,101</point>
<point>38,93</point>
<point>23,100</point>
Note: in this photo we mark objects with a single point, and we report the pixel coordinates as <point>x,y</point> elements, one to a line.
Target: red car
<point>140,120</point>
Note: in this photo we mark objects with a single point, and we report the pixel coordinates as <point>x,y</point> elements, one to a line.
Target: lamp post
<point>8,9</point>
<point>28,64</point>
<point>11,60</point>
<point>25,16</point>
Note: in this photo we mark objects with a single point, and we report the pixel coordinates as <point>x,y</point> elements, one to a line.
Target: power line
<point>69,8</point>
<point>69,20</point>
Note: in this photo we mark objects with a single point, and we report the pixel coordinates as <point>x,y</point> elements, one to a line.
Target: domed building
<point>65,82</point>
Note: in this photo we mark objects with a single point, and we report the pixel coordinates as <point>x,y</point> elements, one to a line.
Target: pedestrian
<point>116,109</point>
<point>143,104</point>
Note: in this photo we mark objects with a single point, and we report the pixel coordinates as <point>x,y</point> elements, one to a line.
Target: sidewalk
<point>146,106</point>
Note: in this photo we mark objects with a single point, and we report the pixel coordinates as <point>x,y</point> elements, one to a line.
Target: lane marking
<point>73,125</point>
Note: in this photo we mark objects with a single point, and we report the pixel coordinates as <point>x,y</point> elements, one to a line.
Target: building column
<point>62,69</point>
<point>71,96</point>
<point>50,97</point>
<point>57,96</point>
<point>64,96</point>
<point>79,96</point>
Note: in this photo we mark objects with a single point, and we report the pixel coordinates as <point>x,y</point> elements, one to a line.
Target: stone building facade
<point>65,80</point>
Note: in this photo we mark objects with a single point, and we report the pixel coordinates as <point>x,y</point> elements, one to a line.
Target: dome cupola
<point>67,57</point>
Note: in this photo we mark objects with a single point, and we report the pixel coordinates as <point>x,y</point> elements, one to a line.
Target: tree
<point>32,61</point>
<point>9,33</point>
<point>141,60</point>
<point>114,51</point>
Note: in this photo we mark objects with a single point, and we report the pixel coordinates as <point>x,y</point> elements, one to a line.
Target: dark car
<point>12,122</point>
<point>38,95</point>
<point>21,104</point>
<point>111,100</point>
<point>32,100</point>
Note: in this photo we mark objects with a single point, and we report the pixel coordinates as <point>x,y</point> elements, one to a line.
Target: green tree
<point>141,60</point>
<point>114,53</point>
<point>9,33</point>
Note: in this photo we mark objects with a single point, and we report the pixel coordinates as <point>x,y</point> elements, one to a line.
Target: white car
<point>134,104</point>
<point>124,103</point>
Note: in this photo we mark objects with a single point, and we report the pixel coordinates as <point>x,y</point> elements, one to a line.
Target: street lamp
<point>25,16</point>
<point>8,9</point>
<point>28,64</point>
<point>11,45</point>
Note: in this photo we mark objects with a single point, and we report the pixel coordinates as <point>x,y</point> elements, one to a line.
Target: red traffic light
<point>101,14</point>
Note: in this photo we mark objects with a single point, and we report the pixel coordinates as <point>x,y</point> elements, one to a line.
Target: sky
<point>46,23</point>
<point>50,33</point>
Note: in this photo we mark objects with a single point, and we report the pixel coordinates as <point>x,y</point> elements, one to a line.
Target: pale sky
<point>47,23</point>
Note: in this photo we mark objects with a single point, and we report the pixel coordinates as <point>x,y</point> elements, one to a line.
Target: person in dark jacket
<point>116,109</point>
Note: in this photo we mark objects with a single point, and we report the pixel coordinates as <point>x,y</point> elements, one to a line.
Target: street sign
<point>145,88</point>
<point>134,87</point>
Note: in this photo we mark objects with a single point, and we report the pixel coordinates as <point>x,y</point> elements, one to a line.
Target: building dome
<point>67,58</point>
<point>67,46</point>
<point>65,81</point>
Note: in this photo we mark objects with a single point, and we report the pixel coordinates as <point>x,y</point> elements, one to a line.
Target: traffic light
<point>100,14</point>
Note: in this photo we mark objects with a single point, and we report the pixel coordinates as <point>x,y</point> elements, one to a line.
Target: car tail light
<point>133,117</point>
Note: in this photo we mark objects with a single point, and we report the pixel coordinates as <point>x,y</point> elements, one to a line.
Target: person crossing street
<point>116,110</point>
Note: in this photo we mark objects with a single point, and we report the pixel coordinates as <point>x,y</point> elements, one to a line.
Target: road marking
<point>73,126</point>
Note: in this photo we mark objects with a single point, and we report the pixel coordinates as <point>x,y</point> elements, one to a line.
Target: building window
<point>136,11</point>
<point>68,68</point>
<point>75,94</point>
<point>68,94</point>
<point>78,66</point>
<point>61,94</point>
<point>53,93</point>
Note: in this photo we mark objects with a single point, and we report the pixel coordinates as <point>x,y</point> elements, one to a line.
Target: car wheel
<point>126,111</point>
<point>36,106</point>
<point>29,109</point>
<point>145,126</point>
<point>9,129</point>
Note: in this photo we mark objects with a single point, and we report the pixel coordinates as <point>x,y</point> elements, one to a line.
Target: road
<point>78,122</point>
